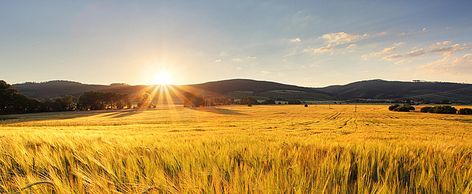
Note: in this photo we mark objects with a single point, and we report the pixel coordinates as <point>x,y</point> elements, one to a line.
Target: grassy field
<point>237,149</point>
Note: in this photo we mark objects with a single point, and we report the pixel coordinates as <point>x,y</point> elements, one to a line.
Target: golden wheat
<point>236,149</point>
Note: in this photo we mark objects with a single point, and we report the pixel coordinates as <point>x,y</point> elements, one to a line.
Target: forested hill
<point>57,88</point>
<point>381,89</point>
<point>370,89</point>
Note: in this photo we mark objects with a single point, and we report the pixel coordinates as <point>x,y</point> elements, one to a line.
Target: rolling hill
<point>381,89</point>
<point>370,89</point>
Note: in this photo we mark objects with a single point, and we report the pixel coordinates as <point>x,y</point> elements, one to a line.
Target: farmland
<point>237,149</point>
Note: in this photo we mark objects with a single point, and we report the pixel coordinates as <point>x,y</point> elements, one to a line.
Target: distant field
<point>237,149</point>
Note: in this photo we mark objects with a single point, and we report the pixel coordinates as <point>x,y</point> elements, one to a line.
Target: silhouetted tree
<point>13,102</point>
<point>439,109</point>
<point>66,103</point>
<point>102,101</point>
<point>443,110</point>
<point>426,109</point>
<point>92,101</point>
<point>401,108</point>
<point>465,111</point>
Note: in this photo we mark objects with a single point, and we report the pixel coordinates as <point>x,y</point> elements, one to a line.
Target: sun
<point>163,78</point>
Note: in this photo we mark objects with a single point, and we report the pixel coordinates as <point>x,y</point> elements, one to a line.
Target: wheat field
<point>237,149</point>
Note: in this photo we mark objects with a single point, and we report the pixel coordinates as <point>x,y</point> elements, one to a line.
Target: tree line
<point>192,100</point>
<point>12,102</point>
<point>431,109</point>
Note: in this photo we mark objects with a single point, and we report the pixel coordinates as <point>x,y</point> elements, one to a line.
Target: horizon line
<point>251,79</point>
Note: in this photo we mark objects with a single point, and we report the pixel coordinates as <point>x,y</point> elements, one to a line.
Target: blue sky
<point>309,43</point>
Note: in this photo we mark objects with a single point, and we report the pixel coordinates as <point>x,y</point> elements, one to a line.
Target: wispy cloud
<point>447,57</point>
<point>415,52</point>
<point>334,40</point>
<point>451,61</point>
<point>386,53</point>
<point>227,58</point>
<point>445,48</point>
<point>459,65</point>
<point>295,40</point>
<point>409,33</point>
<point>351,46</point>
<point>323,49</point>
<point>338,38</point>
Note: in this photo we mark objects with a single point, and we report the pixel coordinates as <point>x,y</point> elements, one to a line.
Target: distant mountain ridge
<point>369,89</point>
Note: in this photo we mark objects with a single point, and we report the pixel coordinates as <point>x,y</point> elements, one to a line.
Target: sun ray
<point>178,93</point>
<point>149,98</point>
<point>171,106</point>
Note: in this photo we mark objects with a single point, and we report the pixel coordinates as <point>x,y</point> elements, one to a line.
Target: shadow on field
<point>219,111</point>
<point>121,114</point>
<point>19,118</point>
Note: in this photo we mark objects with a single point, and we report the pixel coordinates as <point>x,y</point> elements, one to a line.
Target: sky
<point>306,43</point>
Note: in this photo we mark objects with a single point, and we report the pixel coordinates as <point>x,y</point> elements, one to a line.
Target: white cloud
<point>295,40</point>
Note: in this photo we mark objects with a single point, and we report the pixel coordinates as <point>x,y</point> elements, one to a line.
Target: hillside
<point>261,89</point>
<point>381,89</point>
<point>370,89</point>
<point>57,88</point>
